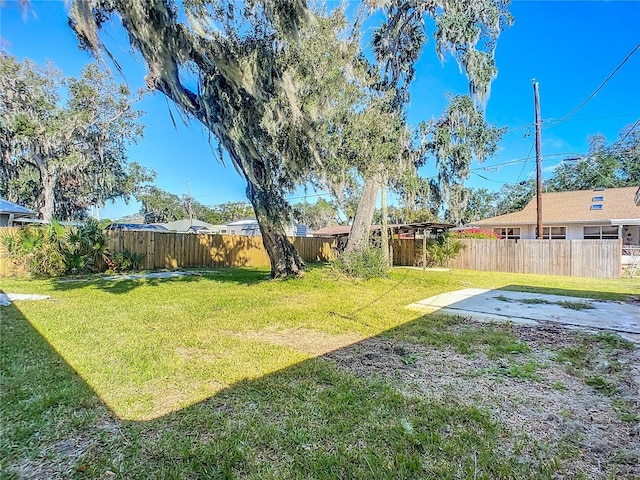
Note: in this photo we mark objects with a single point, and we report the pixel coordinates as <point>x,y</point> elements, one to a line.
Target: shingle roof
<point>184,224</point>
<point>574,207</point>
<point>9,207</point>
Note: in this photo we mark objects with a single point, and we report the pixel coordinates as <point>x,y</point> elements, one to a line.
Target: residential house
<point>249,226</point>
<point>186,225</point>
<point>12,212</point>
<point>611,213</point>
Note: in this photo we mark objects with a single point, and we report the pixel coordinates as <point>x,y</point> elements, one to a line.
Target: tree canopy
<point>262,85</point>
<point>64,140</point>
<point>614,165</point>
<point>467,31</point>
<point>611,165</point>
<point>268,82</point>
<point>160,206</point>
<point>316,215</point>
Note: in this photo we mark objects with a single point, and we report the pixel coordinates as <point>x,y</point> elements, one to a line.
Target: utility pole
<point>189,209</point>
<point>536,96</point>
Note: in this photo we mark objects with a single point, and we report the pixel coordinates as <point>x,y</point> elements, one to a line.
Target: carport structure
<point>413,231</point>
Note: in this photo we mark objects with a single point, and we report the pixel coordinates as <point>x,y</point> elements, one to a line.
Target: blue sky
<point>569,47</point>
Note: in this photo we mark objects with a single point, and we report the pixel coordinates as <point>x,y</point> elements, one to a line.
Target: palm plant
<point>86,247</point>
<point>442,249</point>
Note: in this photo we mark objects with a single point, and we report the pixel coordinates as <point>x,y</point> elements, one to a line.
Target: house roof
<point>243,221</point>
<point>8,207</point>
<point>574,207</point>
<point>184,224</point>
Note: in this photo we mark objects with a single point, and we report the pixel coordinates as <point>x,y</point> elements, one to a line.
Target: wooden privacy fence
<point>7,267</point>
<point>575,258</point>
<point>177,250</point>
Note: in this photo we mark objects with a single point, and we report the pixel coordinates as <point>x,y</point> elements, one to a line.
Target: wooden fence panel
<point>7,266</point>
<point>405,251</point>
<point>576,258</point>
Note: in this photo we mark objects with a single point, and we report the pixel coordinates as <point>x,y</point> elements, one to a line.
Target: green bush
<point>85,249</point>
<point>125,261</point>
<point>440,250</point>
<point>37,250</point>
<point>55,250</point>
<point>370,262</point>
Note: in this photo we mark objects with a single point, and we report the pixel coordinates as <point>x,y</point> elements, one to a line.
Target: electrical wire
<point>523,159</point>
<point>619,142</point>
<point>584,102</point>
<point>525,162</point>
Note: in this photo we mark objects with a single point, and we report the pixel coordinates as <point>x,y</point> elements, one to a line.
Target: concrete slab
<point>532,308</point>
<point>171,274</point>
<point>7,298</point>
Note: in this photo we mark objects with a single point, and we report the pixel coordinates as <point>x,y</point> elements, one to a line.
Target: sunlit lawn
<point>149,348</point>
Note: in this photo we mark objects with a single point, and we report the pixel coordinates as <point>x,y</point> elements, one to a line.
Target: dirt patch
<point>304,340</point>
<point>67,457</point>
<point>546,406</point>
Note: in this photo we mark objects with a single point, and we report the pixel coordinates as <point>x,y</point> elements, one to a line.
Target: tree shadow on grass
<point>241,276</point>
<point>308,420</point>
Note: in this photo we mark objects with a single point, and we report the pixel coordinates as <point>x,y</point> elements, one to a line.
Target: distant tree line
<point>611,165</point>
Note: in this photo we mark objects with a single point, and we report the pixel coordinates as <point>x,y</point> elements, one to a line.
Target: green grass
<point>575,305</point>
<point>527,370</point>
<point>173,379</point>
<point>595,360</point>
<point>447,331</point>
<point>534,301</point>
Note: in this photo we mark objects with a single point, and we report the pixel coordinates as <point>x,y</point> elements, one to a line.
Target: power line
<point>601,117</point>
<point>520,160</point>
<point>619,142</point>
<point>584,102</point>
<point>524,165</point>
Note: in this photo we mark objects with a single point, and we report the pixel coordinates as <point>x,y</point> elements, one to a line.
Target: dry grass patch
<point>304,340</point>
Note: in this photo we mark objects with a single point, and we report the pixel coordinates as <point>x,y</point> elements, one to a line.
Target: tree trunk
<point>361,228</point>
<point>48,194</point>
<point>269,210</point>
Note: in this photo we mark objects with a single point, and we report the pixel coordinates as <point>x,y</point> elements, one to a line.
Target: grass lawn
<point>227,375</point>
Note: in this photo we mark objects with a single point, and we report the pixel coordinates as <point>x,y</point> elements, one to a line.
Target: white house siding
<point>631,235</point>
<point>575,232</point>
<point>528,232</point>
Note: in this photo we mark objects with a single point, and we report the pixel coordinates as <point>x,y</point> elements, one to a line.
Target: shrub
<point>370,262</point>
<point>55,250</point>
<point>37,250</point>
<point>86,248</point>
<point>125,261</point>
<point>476,233</point>
<point>440,250</point>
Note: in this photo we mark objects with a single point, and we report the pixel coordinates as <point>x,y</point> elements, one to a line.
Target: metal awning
<point>396,228</point>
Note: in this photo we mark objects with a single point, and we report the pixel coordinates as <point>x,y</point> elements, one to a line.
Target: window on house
<point>600,232</point>
<point>508,233</point>
<point>553,233</point>
<point>599,198</point>
<point>596,206</point>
